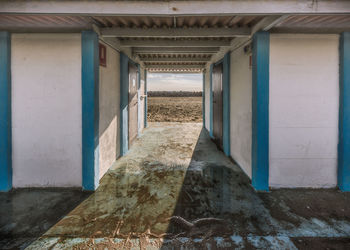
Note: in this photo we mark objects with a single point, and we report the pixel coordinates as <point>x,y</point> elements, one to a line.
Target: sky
<point>174,82</point>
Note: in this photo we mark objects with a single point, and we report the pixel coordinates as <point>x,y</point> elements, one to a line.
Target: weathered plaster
<point>109,100</point>
<point>46,110</point>
<point>304,102</point>
<point>241,110</point>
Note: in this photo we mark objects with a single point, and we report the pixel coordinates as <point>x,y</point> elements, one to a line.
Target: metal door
<point>133,103</point>
<point>217,105</point>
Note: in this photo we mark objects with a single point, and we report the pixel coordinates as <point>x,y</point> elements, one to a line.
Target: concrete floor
<point>175,189</point>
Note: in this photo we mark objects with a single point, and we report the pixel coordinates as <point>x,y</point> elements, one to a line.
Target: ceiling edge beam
<point>174,71</point>
<point>307,30</point>
<point>175,32</point>
<point>174,50</point>
<point>177,66</point>
<point>179,59</point>
<point>174,8</point>
<point>174,43</point>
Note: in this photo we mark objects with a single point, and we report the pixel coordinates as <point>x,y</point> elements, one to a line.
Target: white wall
<point>207,99</point>
<point>46,110</point>
<point>109,125</point>
<point>241,109</point>
<point>303,110</point>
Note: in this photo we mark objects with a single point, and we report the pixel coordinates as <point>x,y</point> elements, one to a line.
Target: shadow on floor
<point>213,196</point>
<point>217,205</point>
<point>26,214</point>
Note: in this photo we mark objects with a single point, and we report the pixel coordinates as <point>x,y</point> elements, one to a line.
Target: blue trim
<point>226,104</point>
<point>139,76</point>
<point>211,101</point>
<point>5,113</point>
<point>138,100</point>
<point>90,110</point>
<point>124,99</point>
<point>146,97</point>
<point>260,111</point>
<point>203,100</point>
<point>344,113</point>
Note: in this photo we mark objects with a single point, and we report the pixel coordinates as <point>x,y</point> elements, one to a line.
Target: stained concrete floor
<point>174,189</point>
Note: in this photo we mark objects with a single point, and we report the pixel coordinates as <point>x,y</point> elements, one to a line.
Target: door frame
<point>225,102</point>
<point>124,101</point>
<point>217,137</point>
<point>138,102</point>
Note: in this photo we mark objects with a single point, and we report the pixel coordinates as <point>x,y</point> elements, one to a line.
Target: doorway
<point>175,97</point>
<point>133,103</point>
<point>217,105</point>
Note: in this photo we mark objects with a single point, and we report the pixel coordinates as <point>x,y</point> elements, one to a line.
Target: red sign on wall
<point>103,55</point>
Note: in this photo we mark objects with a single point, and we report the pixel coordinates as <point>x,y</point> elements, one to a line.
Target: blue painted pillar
<point>5,113</point>
<point>124,99</point>
<point>260,111</point>
<point>203,99</point>
<point>145,117</point>
<point>211,101</point>
<point>344,113</point>
<point>226,104</point>
<point>90,109</point>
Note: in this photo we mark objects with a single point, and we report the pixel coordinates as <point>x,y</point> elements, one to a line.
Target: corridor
<point>174,187</point>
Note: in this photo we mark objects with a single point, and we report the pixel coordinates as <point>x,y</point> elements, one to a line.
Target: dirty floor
<point>174,189</point>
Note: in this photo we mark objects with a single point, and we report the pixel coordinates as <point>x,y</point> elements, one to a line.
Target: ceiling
<point>176,43</point>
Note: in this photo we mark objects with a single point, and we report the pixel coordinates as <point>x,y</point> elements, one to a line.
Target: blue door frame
<point>124,101</point>
<point>146,97</point>
<point>203,99</point>
<point>226,102</point>
<point>211,101</point>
